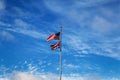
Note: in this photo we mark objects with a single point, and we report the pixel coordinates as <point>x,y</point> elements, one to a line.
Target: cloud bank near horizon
<point>50,76</point>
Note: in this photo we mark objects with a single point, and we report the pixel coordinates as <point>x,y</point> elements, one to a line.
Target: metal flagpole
<point>61,53</point>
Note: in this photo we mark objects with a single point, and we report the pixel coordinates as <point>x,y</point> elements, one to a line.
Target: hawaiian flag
<point>55,36</point>
<point>55,46</point>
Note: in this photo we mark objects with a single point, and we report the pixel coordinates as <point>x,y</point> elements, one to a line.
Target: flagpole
<point>61,53</point>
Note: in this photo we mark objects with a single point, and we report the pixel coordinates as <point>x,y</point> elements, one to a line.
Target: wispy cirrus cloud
<point>24,28</point>
<point>31,33</point>
<point>101,25</point>
<point>101,47</point>
<point>18,26</point>
<point>97,24</point>
<point>6,35</point>
<point>83,16</point>
<point>57,4</point>
<point>4,24</point>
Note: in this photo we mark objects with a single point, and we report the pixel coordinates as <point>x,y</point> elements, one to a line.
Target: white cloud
<point>24,76</point>
<point>24,14</point>
<point>77,44</point>
<point>114,55</point>
<point>22,27</point>
<point>71,66</point>
<point>32,68</point>
<point>25,28</point>
<point>103,26</point>
<point>109,48</point>
<point>106,47</point>
<point>6,36</point>
<point>31,33</point>
<point>102,22</point>
<point>3,79</point>
<point>5,24</point>
<point>22,24</point>
<point>63,6</point>
<point>28,76</point>
<point>49,76</point>
<point>77,12</point>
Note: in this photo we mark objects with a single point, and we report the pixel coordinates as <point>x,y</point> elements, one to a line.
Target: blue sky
<point>90,39</point>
